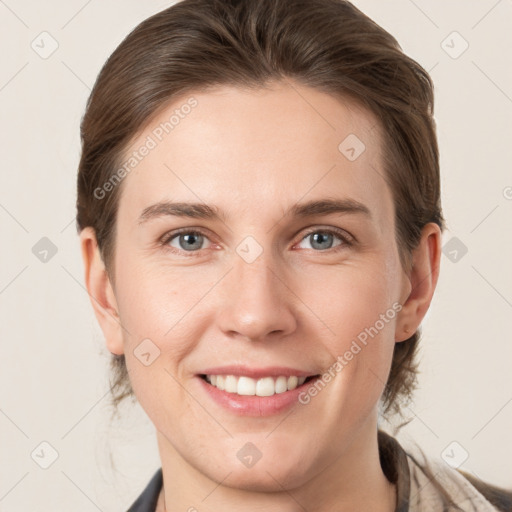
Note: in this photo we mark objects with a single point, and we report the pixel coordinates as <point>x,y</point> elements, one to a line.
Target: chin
<point>266,475</point>
<point>265,479</point>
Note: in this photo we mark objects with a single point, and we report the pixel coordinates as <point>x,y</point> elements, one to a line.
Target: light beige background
<point>53,380</point>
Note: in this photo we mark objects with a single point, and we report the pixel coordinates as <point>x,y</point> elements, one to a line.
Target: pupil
<point>191,241</point>
<point>321,238</point>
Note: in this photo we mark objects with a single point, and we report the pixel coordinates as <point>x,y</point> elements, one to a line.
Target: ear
<point>101,292</point>
<point>421,282</point>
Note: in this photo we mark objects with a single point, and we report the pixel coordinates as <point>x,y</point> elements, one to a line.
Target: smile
<point>250,391</point>
<point>247,386</point>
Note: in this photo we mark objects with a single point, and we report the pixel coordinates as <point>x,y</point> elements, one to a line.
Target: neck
<point>353,482</point>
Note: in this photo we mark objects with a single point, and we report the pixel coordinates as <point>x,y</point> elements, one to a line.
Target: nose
<point>257,304</point>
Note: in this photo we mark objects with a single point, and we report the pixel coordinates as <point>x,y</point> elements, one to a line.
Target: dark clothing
<point>146,502</point>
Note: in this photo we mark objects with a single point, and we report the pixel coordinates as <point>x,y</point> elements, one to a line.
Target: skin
<point>254,154</point>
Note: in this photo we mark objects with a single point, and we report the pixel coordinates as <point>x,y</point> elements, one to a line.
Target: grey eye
<point>189,241</point>
<point>322,240</point>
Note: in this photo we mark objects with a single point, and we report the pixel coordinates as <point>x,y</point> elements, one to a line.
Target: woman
<point>260,221</point>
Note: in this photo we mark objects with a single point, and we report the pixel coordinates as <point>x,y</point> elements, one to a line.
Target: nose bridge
<point>256,302</point>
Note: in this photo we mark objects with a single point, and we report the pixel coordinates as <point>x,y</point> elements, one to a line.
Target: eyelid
<point>344,235</point>
<point>170,235</point>
<point>347,238</point>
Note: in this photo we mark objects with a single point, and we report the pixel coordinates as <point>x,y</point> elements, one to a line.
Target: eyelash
<point>347,240</point>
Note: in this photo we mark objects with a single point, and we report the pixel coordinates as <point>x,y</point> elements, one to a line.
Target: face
<point>286,269</point>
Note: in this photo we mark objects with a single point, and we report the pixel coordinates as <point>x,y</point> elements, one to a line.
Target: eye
<point>324,239</point>
<point>189,241</point>
<point>192,241</point>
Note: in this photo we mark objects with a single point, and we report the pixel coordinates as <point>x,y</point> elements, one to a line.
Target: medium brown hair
<point>328,45</point>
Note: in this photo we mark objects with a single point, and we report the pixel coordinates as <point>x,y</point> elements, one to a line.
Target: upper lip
<point>256,373</point>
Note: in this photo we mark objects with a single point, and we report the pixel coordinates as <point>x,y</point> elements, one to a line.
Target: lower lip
<point>255,405</point>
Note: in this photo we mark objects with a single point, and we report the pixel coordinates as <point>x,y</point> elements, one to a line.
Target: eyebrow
<point>204,211</point>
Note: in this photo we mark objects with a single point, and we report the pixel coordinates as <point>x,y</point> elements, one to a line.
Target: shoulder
<point>497,496</point>
<point>426,484</point>
<point>435,483</point>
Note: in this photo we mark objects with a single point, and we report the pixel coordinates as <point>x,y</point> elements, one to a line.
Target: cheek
<point>159,325</point>
<point>359,307</point>
<point>157,303</point>
<point>351,299</point>
<point>162,329</point>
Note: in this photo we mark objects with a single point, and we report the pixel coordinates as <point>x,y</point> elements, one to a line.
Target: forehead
<point>249,148</point>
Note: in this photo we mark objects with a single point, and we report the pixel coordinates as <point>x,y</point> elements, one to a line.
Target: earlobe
<point>421,282</point>
<point>101,292</point>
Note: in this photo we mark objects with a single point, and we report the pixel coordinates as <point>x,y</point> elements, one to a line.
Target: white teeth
<point>266,386</point>
<point>292,382</point>
<point>246,386</point>
<point>231,384</point>
<point>281,384</point>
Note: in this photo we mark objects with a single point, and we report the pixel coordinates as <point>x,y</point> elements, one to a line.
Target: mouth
<point>243,385</point>
<point>250,391</point>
